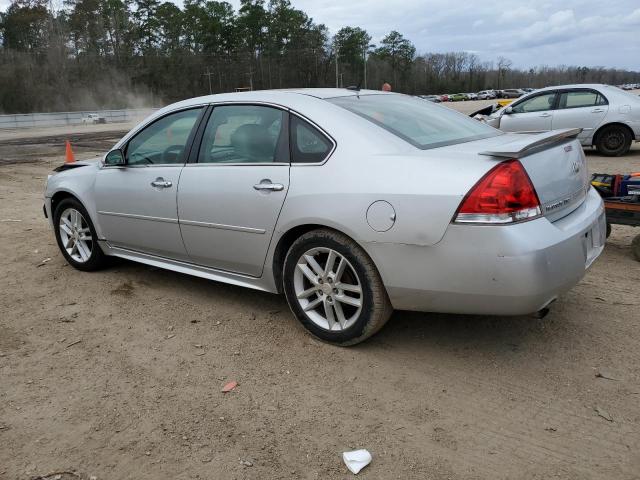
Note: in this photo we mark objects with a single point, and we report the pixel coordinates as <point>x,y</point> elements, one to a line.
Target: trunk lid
<point>556,164</point>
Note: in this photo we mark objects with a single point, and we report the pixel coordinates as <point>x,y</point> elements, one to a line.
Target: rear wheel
<point>613,141</point>
<point>76,236</point>
<point>334,289</point>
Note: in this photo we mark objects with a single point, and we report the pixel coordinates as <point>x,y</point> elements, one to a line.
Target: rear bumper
<point>494,270</point>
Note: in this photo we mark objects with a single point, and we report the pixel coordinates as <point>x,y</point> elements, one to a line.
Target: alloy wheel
<point>75,235</point>
<point>328,289</point>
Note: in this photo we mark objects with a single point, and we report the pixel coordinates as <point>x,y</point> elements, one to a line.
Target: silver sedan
<point>608,116</point>
<point>351,203</point>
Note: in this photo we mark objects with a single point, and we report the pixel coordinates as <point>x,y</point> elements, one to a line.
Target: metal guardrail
<point>31,120</point>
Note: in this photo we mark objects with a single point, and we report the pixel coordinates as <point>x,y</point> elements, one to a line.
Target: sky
<point>553,32</point>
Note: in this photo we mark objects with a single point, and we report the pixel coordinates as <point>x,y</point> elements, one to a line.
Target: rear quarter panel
<point>424,188</point>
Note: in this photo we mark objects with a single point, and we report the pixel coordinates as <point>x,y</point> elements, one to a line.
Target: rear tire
<point>613,141</point>
<point>334,289</point>
<point>76,236</point>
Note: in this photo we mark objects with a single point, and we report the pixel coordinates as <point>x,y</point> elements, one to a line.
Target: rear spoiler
<point>521,147</point>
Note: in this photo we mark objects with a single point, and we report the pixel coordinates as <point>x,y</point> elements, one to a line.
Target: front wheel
<point>76,236</point>
<point>334,289</point>
<point>613,141</point>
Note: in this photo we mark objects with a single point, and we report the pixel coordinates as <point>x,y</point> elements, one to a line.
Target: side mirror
<point>508,110</point>
<point>114,157</point>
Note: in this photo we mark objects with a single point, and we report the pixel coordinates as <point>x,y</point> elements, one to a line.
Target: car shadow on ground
<point>415,330</point>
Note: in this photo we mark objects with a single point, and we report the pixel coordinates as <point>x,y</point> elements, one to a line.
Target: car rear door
<point>136,202</point>
<point>533,114</point>
<point>233,188</point>
<point>580,108</point>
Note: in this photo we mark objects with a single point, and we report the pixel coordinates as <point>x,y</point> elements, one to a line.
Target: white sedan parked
<point>608,116</point>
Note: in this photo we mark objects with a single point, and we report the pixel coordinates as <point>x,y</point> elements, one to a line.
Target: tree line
<point>115,53</point>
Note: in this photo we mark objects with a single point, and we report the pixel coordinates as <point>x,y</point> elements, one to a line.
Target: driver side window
<point>164,141</point>
<point>539,103</point>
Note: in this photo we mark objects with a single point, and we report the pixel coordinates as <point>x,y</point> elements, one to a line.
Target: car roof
<point>276,95</point>
<point>286,97</point>
<point>594,86</point>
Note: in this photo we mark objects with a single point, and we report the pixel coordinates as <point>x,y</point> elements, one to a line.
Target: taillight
<point>504,195</point>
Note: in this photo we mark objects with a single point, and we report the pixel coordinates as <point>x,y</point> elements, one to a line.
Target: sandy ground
<point>118,374</point>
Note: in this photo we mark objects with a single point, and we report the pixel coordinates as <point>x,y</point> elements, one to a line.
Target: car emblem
<point>568,148</point>
<point>575,166</point>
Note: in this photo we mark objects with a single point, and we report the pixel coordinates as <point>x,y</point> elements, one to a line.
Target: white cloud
<point>518,14</point>
<point>559,26</point>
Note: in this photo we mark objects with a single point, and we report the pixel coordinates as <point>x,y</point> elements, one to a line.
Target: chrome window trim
<point>576,90</point>
<point>324,132</point>
<point>150,165</point>
<point>132,133</point>
<point>537,94</point>
<point>227,103</point>
<point>239,164</point>
<point>292,112</point>
<point>138,217</point>
<point>221,226</point>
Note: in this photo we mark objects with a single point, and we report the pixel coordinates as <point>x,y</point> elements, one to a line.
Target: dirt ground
<point>118,374</point>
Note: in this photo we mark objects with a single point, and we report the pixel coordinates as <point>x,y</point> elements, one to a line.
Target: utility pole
<point>364,54</point>
<point>337,76</point>
<point>365,51</point>
<point>208,75</point>
<point>250,78</point>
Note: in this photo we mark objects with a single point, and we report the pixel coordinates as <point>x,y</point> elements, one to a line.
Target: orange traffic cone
<point>69,158</point>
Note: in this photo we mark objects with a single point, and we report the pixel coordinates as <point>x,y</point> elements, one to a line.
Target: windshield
<point>422,124</point>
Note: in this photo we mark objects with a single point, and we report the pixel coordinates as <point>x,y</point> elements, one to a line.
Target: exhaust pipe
<point>540,314</point>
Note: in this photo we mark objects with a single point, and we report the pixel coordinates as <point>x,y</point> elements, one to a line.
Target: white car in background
<point>608,116</point>
<point>93,119</point>
<point>486,95</point>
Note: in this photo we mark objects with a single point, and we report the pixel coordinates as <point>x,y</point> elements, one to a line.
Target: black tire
<point>97,259</point>
<point>376,307</point>
<point>613,141</point>
<point>635,247</point>
<point>608,229</point>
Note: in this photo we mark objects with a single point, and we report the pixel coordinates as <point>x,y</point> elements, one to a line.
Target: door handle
<point>597,110</point>
<point>545,115</point>
<point>161,183</point>
<point>267,185</point>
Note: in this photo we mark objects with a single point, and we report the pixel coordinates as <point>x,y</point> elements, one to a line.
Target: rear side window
<point>308,144</point>
<point>581,98</point>
<point>422,124</point>
<point>245,134</point>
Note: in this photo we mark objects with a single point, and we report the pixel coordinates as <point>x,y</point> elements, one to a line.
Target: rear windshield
<point>422,124</point>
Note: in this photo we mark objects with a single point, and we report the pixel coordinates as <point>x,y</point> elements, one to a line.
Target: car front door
<point>533,114</point>
<point>136,202</point>
<point>232,190</point>
<point>580,108</point>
